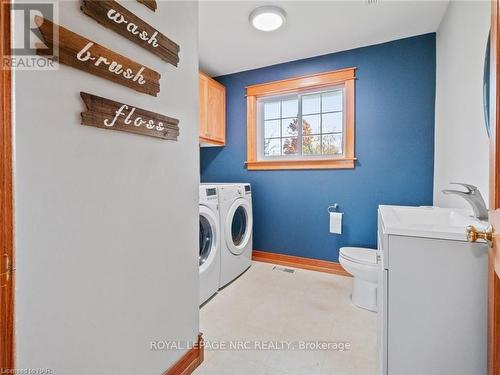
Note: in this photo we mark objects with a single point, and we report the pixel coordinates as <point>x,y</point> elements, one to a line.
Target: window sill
<point>261,165</point>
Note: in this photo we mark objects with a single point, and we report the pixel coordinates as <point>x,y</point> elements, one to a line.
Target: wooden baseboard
<point>299,262</point>
<point>189,361</point>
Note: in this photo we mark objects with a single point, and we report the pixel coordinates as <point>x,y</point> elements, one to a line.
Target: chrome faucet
<point>473,197</point>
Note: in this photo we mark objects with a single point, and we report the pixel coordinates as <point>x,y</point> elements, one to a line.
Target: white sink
<point>430,222</point>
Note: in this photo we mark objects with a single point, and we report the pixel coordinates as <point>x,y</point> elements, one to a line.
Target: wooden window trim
<point>345,77</point>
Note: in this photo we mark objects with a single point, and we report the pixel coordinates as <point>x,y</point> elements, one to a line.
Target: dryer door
<point>239,225</point>
<point>208,237</point>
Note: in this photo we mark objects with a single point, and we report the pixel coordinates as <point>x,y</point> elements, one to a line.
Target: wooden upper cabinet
<point>203,100</point>
<point>212,96</point>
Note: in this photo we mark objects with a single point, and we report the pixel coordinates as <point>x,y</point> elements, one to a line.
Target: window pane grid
<point>281,129</point>
<point>332,133</point>
<point>292,117</point>
<point>317,113</point>
<point>321,119</point>
<point>310,125</point>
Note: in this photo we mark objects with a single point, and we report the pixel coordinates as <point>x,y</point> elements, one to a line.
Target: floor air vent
<point>283,269</point>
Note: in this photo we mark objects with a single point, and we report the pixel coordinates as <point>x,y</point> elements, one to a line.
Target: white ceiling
<point>229,44</point>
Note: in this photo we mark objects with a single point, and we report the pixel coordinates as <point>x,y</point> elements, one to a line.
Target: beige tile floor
<point>266,306</point>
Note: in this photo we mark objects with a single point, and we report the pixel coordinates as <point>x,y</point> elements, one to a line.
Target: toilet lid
<point>359,255</point>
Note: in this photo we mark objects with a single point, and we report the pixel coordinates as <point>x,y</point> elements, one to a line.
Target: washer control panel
<point>210,194</point>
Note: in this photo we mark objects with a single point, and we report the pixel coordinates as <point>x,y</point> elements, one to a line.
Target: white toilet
<point>361,263</point>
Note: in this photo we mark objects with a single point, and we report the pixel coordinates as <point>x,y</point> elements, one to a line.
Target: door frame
<point>6,197</point>
<point>494,203</point>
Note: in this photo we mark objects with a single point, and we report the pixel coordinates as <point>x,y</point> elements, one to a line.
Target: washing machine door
<point>208,237</point>
<point>239,225</point>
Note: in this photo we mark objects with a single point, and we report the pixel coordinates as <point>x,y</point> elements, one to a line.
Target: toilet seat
<point>359,255</point>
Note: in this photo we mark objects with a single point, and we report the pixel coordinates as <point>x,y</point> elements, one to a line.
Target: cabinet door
<point>216,112</point>
<point>437,307</point>
<point>203,97</point>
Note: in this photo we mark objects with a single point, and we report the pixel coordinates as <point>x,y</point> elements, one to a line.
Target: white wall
<point>106,221</point>
<point>461,146</point>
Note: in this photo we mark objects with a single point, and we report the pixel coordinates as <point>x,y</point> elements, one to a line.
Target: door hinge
<point>8,270</point>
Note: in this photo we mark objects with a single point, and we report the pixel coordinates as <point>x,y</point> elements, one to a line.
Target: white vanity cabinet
<point>432,295</point>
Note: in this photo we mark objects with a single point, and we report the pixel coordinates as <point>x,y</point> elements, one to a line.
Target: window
<point>309,124</point>
<point>302,123</point>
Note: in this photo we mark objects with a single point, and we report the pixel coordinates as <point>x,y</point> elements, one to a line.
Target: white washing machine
<point>210,238</point>
<point>236,225</point>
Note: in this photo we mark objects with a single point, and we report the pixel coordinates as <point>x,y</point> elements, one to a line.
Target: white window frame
<point>299,156</point>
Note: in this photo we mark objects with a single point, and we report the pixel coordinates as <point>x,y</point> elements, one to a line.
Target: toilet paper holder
<point>334,208</point>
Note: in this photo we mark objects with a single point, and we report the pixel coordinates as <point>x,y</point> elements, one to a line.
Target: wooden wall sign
<point>84,54</point>
<point>108,114</point>
<point>151,4</point>
<point>112,15</point>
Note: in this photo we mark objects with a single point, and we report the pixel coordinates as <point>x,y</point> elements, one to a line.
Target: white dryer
<point>236,225</point>
<point>209,261</point>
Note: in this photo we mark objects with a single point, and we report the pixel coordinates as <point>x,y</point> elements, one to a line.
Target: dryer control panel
<point>244,190</point>
<point>209,194</point>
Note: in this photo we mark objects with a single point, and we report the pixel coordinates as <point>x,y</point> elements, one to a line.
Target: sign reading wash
<point>108,114</point>
<point>84,54</point>
<point>119,19</point>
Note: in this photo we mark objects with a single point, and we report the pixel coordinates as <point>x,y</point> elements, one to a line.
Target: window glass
<point>331,144</point>
<point>290,126</point>
<point>332,122</point>
<point>272,110</point>
<point>311,145</point>
<point>309,124</point>
<point>290,146</point>
<point>290,108</point>
<point>332,101</point>
<point>311,104</point>
<point>272,147</point>
<point>272,129</point>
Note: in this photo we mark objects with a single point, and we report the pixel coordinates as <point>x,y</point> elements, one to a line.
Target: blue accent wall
<point>395,93</point>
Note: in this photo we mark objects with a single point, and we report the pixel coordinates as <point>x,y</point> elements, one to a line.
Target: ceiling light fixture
<point>267,18</point>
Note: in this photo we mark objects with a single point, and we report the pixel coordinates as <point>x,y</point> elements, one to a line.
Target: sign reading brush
<point>81,53</point>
